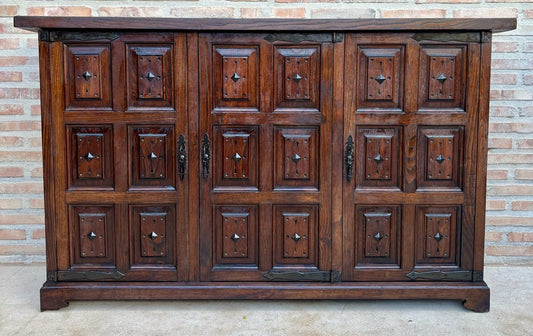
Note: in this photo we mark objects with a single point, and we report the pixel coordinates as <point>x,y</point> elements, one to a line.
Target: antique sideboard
<point>264,159</point>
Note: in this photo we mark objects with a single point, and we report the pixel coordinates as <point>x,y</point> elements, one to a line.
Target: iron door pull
<point>182,157</point>
<point>206,156</point>
<point>349,158</point>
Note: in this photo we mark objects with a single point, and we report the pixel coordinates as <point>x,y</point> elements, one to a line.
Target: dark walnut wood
<point>264,159</point>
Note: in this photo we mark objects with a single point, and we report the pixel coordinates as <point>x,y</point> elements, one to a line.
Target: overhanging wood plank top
<point>128,23</point>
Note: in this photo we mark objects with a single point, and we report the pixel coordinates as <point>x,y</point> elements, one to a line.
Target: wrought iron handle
<point>206,156</point>
<point>349,158</point>
<point>182,157</point>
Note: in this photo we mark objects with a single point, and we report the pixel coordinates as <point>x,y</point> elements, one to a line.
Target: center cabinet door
<point>265,165</point>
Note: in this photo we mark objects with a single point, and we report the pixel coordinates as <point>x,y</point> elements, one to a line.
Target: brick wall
<point>510,185</point>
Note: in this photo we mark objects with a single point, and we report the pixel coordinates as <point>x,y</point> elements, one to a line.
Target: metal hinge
<point>88,275</point>
<point>322,276</point>
<point>440,275</point>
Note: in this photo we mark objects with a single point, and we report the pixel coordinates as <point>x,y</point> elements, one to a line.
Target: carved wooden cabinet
<point>264,159</point>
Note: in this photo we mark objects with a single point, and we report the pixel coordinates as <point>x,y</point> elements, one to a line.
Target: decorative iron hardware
<point>89,156</point>
<point>206,156</point>
<point>440,159</point>
<point>323,276</point>
<point>58,36</point>
<point>378,159</point>
<point>88,275</point>
<point>449,37</point>
<point>51,276</point>
<point>150,76</point>
<point>477,276</point>
<point>295,158</point>
<point>91,235</point>
<point>236,158</point>
<point>235,237</point>
<point>152,156</point>
<point>378,236</point>
<point>296,237</point>
<point>349,158</point>
<point>486,37</point>
<point>438,237</point>
<point>442,78</point>
<point>380,79</point>
<point>297,78</point>
<point>153,235</point>
<point>440,275</point>
<point>235,78</point>
<point>182,157</point>
<point>86,75</point>
<point>297,38</point>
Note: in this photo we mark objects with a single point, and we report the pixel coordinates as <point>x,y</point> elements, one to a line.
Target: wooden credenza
<point>264,159</point>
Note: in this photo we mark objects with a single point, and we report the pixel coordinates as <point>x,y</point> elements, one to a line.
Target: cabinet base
<point>55,295</point>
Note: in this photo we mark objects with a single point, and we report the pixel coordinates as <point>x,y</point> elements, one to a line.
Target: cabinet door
<point>264,141</point>
<point>409,119</point>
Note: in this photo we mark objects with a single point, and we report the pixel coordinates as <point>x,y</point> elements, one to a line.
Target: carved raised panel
<point>297,77</point>
<point>236,155</point>
<point>236,235</point>
<point>440,157</point>
<point>378,234</point>
<point>380,78</point>
<point>295,234</point>
<point>152,151</point>
<point>92,230</point>
<point>379,157</point>
<point>91,157</point>
<point>153,230</point>
<point>235,76</point>
<point>88,76</point>
<point>437,232</point>
<point>296,153</point>
<point>442,77</point>
<point>151,76</point>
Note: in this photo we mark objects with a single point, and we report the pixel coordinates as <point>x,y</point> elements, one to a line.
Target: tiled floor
<point>511,313</point>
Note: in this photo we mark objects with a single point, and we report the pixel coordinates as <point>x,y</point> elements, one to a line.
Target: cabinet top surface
<point>128,23</point>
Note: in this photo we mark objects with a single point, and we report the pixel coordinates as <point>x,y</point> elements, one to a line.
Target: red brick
<point>526,111</point>
<point>510,158</point>
<point>502,111</point>
<point>503,79</point>
<point>37,203</point>
<point>528,14</point>
<point>299,1</point>
<point>509,221</point>
<point>527,80</point>
<point>343,13</point>
<point>35,110</point>
<point>201,12</point>
<point>510,190</point>
<point>9,10</point>
<point>523,174</point>
<point>447,1</point>
<point>528,47</point>
<point>38,234</point>
<point>509,250</point>
<point>10,76</point>
<point>508,1</point>
<point>485,12</point>
<point>511,127</point>
<point>130,11</point>
<point>37,172</point>
<point>289,12</point>
<point>523,206</point>
<point>11,141</point>
<point>9,43</point>
<point>19,93</point>
<point>500,143</point>
<point>35,142</point>
<point>10,204</point>
<point>25,156</point>
<point>412,13</point>
<point>22,249</point>
<point>493,236</point>
<point>495,205</point>
<point>21,188</point>
<point>520,236</point>
<point>517,94</point>
<point>21,219</point>
<point>504,47</point>
<point>525,143</point>
<point>13,60</point>
<point>12,234</point>
<point>11,172</point>
<point>17,126</point>
<point>32,77</point>
<point>60,11</point>
<point>497,174</point>
<point>11,109</point>
<point>511,64</point>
